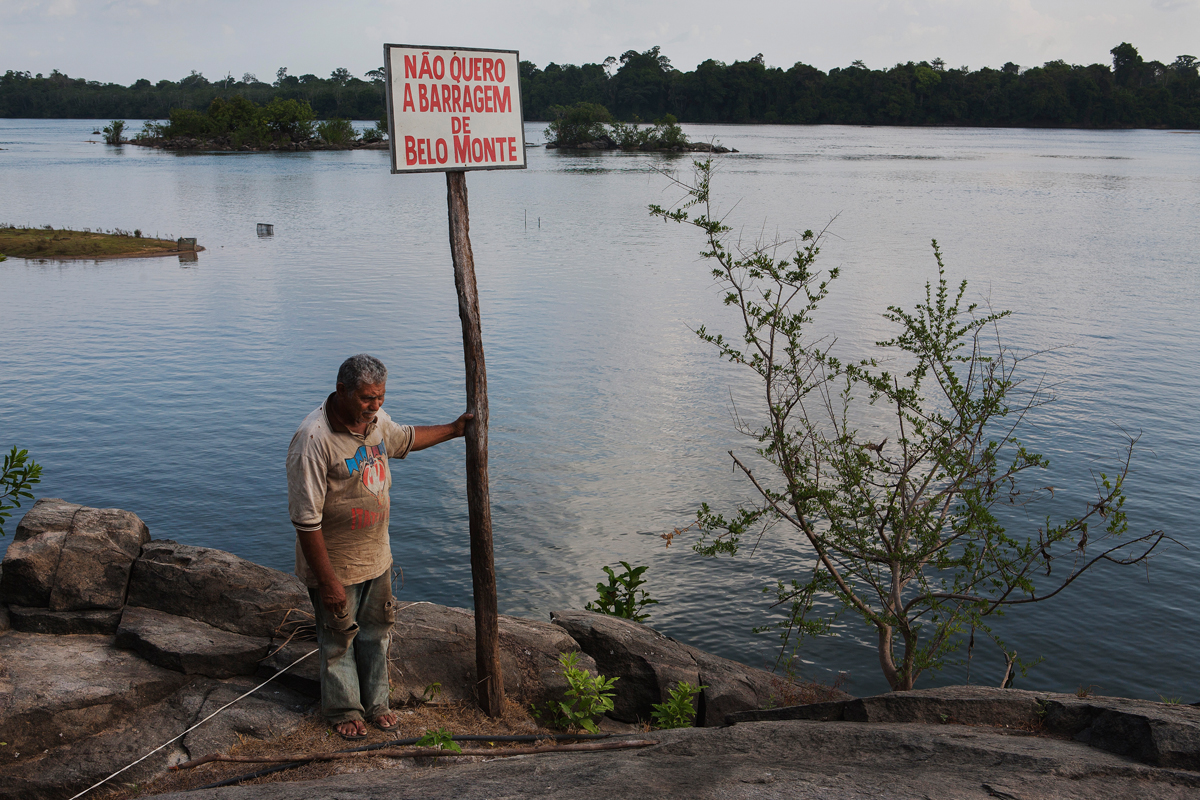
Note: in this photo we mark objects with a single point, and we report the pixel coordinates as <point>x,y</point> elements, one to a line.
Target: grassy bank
<point>49,242</point>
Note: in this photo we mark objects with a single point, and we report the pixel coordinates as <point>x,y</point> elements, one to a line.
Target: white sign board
<point>453,109</point>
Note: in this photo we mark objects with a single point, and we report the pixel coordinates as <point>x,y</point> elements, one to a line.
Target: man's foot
<point>388,722</point>
<point>351,730</point>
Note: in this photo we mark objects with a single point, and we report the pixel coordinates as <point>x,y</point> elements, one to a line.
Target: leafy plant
<point>1171,701</point>
<point>896,517</point>
<point>679,710</point>
<point>667,132</point>
<point>577,124</point>
<point>113,130</point>
<point>432,692</point>
<point>440,739</point>
<point>620,597</point>
<point>18,474</point>
<point>290,119</point>
<point>336,131</point>
<point>587,697</point>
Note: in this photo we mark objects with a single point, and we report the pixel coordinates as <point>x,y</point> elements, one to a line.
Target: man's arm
<point>333,594</point>
<point>429,435</point>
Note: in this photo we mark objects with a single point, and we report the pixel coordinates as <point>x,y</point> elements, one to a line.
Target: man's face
<point>360,405</point>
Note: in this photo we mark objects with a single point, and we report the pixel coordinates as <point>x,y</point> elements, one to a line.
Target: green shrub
<point>630,136</point>
<point>667,132</point>
<point>113,131</point>
<point>18,474</point>
<point>678,711</point>
<point>187,122</point>
<point>440,739</point>
<point>290,119</point>
<point>620,597</point>
<point>587,697</point>
<point>336,131</point>
<point>577,124</point>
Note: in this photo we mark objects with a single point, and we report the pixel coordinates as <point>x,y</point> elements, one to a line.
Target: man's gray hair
<point>360,369</point>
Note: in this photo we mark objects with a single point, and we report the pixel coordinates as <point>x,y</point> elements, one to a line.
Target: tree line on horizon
<point>1131,93</point>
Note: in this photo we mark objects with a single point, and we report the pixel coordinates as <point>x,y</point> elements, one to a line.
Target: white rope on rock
<point>197,725</point>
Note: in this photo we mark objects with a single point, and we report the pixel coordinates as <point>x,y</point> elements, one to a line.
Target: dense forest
<point>1131,93</point>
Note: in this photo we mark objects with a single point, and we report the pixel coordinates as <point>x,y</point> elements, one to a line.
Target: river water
<point>172,389</point>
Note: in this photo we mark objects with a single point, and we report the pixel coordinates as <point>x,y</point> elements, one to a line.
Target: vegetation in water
<point>889,482</point>
<point>18,475</point>
<point>585,123</point>
<point>679,710</point>
<point>586,698</point>
<point>51,242</point>
<point>621,597</point>
<point>113,131</point>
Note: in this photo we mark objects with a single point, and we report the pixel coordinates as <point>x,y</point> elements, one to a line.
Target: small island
<point>590,126</point>
<point>65,244</point>
<point>238,124</point>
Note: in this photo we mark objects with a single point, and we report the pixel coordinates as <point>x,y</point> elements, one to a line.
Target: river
<point>172,389</point>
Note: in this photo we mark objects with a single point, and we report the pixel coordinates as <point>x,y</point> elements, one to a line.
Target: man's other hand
<point>333,597</point>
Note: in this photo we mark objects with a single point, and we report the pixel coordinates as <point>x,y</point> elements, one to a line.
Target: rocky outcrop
<point>188,646</point>
<point>1161,734</point>
<point>649,665</point>
<point>194,628</point>
<point>216,587</point>
<point>66,557</point>
<point>435,644</point>
<point>773,761</point>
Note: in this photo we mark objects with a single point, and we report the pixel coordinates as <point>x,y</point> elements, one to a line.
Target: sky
<point>123,40</point>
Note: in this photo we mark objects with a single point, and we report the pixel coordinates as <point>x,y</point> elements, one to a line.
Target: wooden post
<point>479,509</point>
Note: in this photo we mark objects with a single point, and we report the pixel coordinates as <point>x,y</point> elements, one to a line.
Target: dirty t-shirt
<point>339,482</point>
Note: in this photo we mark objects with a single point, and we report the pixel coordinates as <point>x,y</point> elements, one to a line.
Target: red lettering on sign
<point>410,66</point>
<point>446,97</point>
<point>476,68</point>
<point>456,124</point>
<point>478,92</point>
<point>500,70</point>
<point>456,68</point>
<point>487,69</point>
<point>408,103</point>
<point>466,125</point>
<point>410,150</point>
<point>477,149</point>
<point>489,149</point>
<point>456,98</point>
<point>462,149</point>
<point>425,70</point>
<point>434,103</point>
<point>503,100</point>
<point>441,152</point>
<point>421,152</point>
<point>439,67</point>
<point>423,96</point>
<point>487,99</point>
<point>500,143</point>
<point>467,104</point>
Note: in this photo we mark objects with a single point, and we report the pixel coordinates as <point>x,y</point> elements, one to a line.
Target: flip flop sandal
<point>350,737</point>
<point>395,726</point>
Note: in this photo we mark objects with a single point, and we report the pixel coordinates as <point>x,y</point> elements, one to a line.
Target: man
<point>339,498</point>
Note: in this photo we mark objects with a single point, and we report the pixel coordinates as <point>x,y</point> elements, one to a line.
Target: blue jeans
<point>354,647</point>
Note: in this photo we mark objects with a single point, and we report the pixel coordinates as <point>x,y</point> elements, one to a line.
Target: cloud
<point>62,8</point>
<point>1173,5</point>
